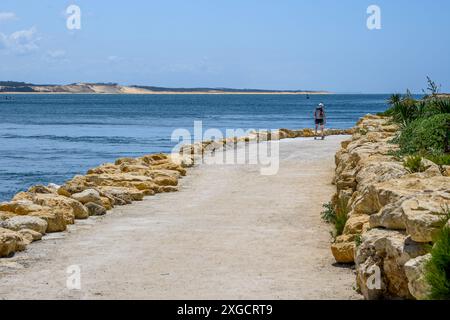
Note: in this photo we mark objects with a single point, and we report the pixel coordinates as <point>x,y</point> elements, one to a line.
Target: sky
<point>265,44</point>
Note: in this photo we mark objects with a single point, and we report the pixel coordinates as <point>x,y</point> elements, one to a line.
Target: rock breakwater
<point>393,214</point>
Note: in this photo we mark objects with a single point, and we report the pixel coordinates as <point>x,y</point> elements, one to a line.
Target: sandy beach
<point>230,233</point>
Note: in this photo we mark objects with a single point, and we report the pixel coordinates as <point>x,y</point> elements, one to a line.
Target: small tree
<point>433,88</point>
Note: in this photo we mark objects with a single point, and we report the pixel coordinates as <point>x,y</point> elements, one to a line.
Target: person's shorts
<point>319,121</point>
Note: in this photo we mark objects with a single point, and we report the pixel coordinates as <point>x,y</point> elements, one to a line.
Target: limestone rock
<point>126,161</point>
<point>126,194</point>
<point>10,242</point>
<point>107,203</point>
<point>446,171</point>
<point>163,189</point>
<point>71,208</point>
<point>424,215</point>
<point>40,189</point>
<point>95,209</point>
<point>26,222</point>
<point>355,223</point>
<point>417,284</point>
<point>170,166</point>
<point>182,160</point>
<point>136,168</point>
<point>20,207</point>
<point>389,217</point>
<point>88,195</point>
<point>55,220</point>
<point>389,251</point>
<point>108,168</point>
<point>6,215</point>
<point>343,249</point>
<point>30,235</point>
<point>375,172</point>
<point>76,185</point>
<point>154,158</point>
<point>166,181</point>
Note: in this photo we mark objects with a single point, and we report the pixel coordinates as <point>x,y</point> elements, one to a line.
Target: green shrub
<point>341,216</point>
<point>405,111</point>
<point>426,135</point>
<point>414,164</point>
<point>437,270</point>
<point>336,215</point>
<point>434,106</point>
<point>442,159</point>
<point>328,214</point>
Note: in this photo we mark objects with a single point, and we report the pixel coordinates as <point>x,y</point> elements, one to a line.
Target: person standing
<point>320,120</point>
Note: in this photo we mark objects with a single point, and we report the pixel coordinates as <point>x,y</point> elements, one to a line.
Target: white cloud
<point>7,16</point>
<point>56,54</point>
<point>20,42</point>
<point>113,59</point>
<point>3,41</point>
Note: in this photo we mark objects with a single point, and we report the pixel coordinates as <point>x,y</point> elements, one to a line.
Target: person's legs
<point>315,132</point>
<point>322,128</point>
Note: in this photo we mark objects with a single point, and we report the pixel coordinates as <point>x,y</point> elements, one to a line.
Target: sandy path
<point>229,233</point>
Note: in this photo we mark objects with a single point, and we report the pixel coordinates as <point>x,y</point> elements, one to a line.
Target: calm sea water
<point>50,138</point>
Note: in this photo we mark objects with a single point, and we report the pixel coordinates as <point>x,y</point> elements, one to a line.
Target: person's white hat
<point>321,104</point>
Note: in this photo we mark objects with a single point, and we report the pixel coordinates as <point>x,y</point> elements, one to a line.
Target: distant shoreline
<point>171,92</point>
<point>12,87</point>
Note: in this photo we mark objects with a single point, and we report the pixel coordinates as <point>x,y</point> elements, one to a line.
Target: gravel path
<point>230,233</point>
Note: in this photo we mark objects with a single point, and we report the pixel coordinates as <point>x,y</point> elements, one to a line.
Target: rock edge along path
<point>229,233</point>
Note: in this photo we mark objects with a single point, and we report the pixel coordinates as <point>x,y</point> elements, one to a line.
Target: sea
<point>50,138</point>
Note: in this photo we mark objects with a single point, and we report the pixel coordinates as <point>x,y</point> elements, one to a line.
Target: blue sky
<point>283,44</point>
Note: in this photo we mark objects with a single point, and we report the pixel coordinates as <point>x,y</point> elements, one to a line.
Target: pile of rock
<point>46,209</point>
<point>393,214</point>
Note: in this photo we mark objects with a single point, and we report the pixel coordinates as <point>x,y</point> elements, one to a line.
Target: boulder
<point>409,185</point>
<point>424,215</point>
<point>76,185</point>
<point>88,195</point>
<point>95,209</point>
<point>20,207</point>
<point>355,224</point>
<point>126,194</point>
<point>6,215</point>
<point>154,158</point>
<point>343,249</point>
<point>26,222</point>
<point>117,179</point>
<point>10,242</point>
<point>446,171</point>
<point>184,161</point>
<point>28,196</point>
<point>107,203</point>
<point>30,235</point>
<point>389,217</point>
<point>71,208</point>
<point>108,168</point>
<point>374,172</point>
<point>40,189</point>
<point>120,161</point>
<point>375,196</point>
<point>165,181</point>
<point>54,218</point>
<point>388,251</point>
<point>163,189</point>
<point>53,187</point>
<point>170,166</point>
<point>415,272</point>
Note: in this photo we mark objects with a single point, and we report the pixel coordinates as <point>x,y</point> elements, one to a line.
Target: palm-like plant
<point>393,99</point>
